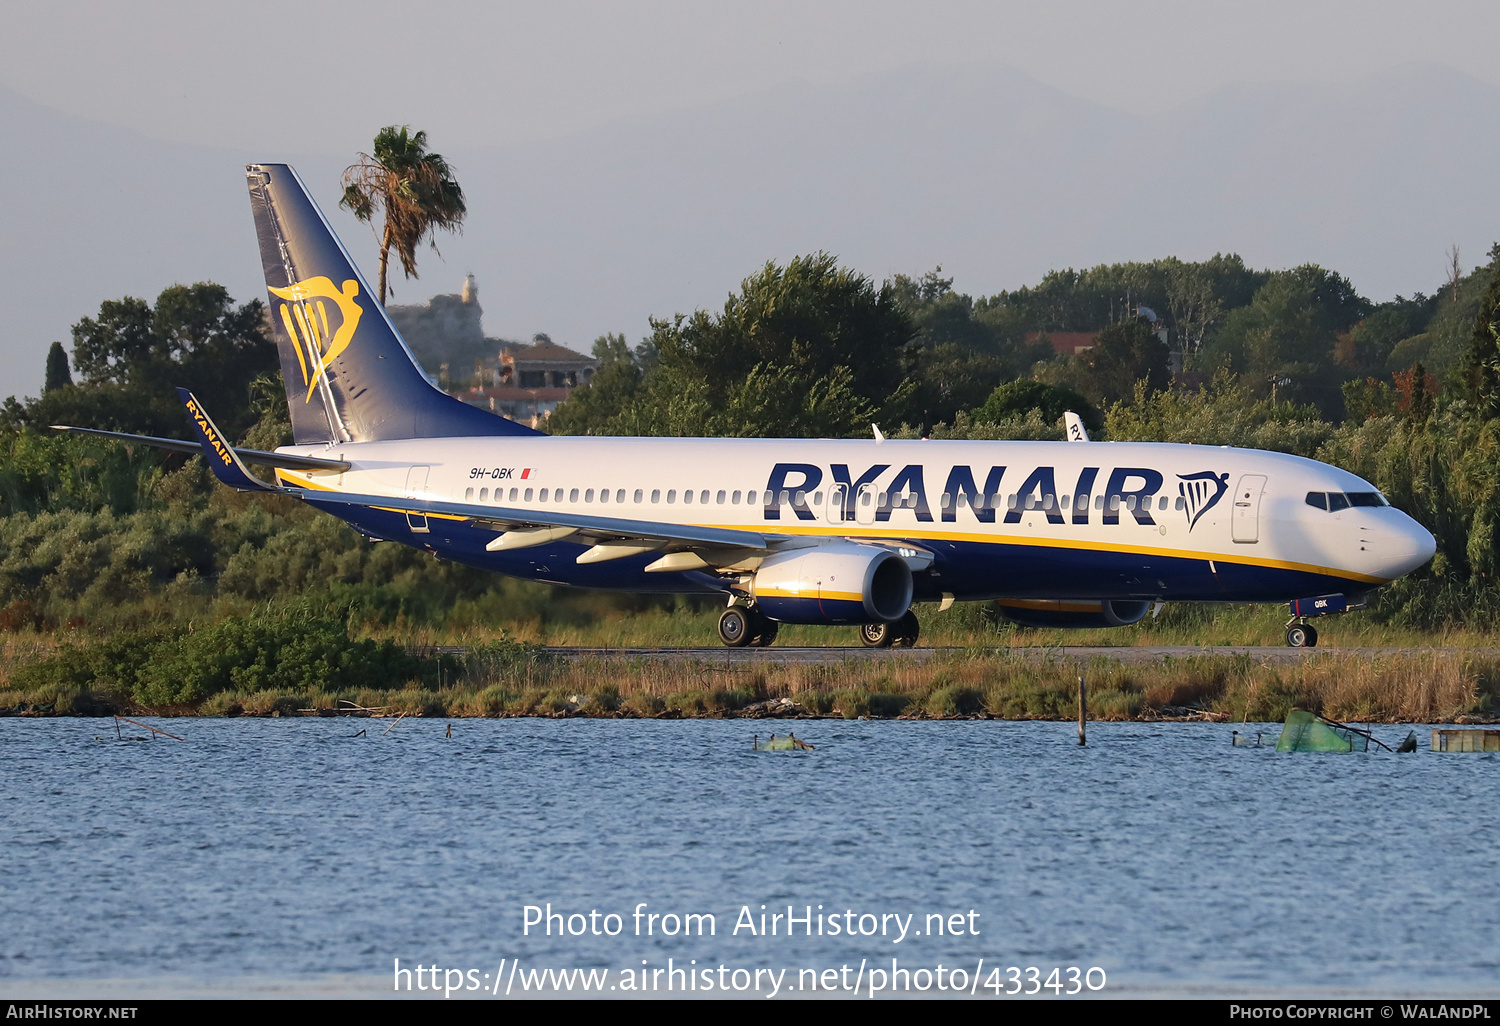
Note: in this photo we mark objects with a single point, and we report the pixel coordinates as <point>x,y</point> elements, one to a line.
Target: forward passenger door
<point>1246,518</point>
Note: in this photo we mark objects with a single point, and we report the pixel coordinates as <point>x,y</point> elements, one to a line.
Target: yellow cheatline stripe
<point>983,539</point>
<point>811,594</point>
<point>1056,543</point>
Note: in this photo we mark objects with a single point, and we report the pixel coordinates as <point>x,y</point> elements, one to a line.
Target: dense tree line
<point>1405,393</point>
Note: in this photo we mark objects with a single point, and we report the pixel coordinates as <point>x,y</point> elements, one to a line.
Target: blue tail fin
<point>349,376</point>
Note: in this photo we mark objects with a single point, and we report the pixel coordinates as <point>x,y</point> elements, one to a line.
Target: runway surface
<point>1124,654</point>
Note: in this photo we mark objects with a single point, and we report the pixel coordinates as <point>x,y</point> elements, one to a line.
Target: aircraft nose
<point>1404,546</point>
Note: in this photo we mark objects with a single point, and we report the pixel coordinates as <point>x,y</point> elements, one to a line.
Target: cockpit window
<point>1335,501</point>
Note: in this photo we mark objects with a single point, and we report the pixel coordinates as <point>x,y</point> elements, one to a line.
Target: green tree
<point>414,191</point>
<point>1284,341</point>
<point>1123,354</point>
<point>1483,361</point>
<point>1018,398</point>
<point>962,350</point>
<point>809,349</point>
<point>58,375</point>
<point>132,354</point>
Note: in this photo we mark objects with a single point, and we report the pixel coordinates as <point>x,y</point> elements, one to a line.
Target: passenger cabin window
<point>639,494</point>
<point>620,495</point>
<point>527,496</point>
<point>543,495</point>
<point>656,495</point>
<point>514,494</point>
<point>573,495</point>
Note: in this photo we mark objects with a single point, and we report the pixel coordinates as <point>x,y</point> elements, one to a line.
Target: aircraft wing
<point>531,524</point>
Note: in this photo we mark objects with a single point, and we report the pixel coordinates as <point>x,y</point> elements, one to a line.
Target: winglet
<point>1076,431</point>
<point>219,454</point>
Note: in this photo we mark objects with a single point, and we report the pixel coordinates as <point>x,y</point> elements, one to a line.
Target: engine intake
<point>840,583</point>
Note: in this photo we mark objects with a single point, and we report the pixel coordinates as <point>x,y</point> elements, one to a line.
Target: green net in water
<point>1306,732</point>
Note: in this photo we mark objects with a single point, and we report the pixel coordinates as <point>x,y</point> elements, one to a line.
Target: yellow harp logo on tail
<point>305,315</point>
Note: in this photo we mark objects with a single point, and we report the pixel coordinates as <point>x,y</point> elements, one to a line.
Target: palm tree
<point>413,188</point>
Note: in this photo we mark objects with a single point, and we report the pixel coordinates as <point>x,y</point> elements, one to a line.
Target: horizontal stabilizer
<point>286,461</point>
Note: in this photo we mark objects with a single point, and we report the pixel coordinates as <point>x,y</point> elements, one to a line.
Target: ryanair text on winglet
<point>202,421</point>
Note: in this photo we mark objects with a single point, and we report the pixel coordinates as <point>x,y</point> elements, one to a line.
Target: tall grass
<point>515,680</point>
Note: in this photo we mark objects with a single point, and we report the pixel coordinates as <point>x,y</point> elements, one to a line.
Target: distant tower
<point>471,291</point>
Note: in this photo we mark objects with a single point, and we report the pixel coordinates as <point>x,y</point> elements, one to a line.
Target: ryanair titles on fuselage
<point>1135,491</point>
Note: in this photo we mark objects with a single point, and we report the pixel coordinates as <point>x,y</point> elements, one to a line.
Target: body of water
<point>287,854</point>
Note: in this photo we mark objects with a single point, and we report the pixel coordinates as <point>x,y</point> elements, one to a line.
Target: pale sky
<point>568,239</point>
<point>313,77</point>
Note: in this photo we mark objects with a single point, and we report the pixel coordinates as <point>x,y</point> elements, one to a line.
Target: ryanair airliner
<point>829,531</point>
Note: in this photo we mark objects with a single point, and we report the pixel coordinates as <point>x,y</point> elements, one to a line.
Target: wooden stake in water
<point>1083,712</point>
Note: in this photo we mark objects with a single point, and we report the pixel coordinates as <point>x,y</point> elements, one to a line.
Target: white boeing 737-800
<point>822,531</point>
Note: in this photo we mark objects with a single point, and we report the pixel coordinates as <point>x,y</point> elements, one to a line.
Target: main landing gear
<point>902,634</point>
<point>1300,633</point>
<point>740,626</point>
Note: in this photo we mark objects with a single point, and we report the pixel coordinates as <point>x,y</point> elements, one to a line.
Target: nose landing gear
<point>1300,633</point>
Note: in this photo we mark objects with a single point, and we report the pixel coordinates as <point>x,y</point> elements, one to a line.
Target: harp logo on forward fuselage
<point>1201,492</point>
<point>318,339</point>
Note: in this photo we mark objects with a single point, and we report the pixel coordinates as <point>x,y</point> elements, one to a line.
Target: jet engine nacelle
<point>840,583</point>
<point>1064,613</point>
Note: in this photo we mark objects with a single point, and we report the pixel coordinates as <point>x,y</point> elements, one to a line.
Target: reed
<point>1415,687</point>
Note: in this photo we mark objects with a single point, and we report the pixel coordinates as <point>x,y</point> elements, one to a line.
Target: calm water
<point>286,850</point>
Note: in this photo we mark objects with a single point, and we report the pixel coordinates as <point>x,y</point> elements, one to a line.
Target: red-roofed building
<point>532,380</point>
<point>1065,343</point>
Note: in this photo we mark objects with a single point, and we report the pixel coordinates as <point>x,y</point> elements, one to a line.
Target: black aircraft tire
<point>877,635</point>
<point>1312,636</point>
<point>907,629</point>
<point>735,627</point>
<point>1300,636</point>
<point>765,632</point>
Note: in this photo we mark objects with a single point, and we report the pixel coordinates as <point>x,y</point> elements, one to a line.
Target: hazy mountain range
<point>978,168</point>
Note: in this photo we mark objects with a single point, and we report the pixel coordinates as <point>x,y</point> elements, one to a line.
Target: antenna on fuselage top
<point>878,436</point>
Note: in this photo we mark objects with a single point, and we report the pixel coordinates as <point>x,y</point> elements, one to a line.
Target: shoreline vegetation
<point>131,583</point>
<point>304,662</point>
